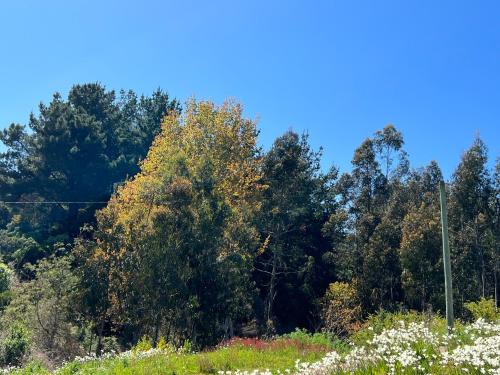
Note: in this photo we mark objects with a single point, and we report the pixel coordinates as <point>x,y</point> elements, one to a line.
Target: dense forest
<point>124,215</point>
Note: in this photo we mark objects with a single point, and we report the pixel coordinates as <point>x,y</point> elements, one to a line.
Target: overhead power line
<point>53,202</point>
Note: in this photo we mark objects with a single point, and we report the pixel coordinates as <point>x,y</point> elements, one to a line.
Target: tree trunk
<point>157,330</point>
<point>100,329</point>
<point>272,293</point>
<point>496,286</point>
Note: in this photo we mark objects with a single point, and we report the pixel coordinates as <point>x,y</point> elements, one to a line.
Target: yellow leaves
<point>418,224</point>
<point>203,169</point>
<point>98,255</point>
<point>205,137</point>
<point>218,135</point>
<point>264,245</point>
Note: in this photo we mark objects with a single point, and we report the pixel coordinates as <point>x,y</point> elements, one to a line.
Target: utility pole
<point>446,257</point>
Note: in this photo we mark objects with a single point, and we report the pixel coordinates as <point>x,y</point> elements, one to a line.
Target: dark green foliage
<point>20,250</point>
<point>73,150</point>
<point>474,250</point>
<point>15,346</point>
<point>391,245</point>
<point>5,284</point>
<point>4,278</point>
<point>290,269</point>
<point>370,252</point>
<point>421,258</point>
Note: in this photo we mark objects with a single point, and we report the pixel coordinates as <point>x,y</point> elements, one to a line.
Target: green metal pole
<point>446,257</point>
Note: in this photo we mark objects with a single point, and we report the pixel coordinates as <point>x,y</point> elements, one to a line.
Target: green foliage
<point>473,221</point>
<point>5,281</point>
<point>164,345</point>
<point>184,223</point>
<point>44,305</point>
<point>187,346</point>
<point>280,354</point>
<point>15,346</point>
<point>33,367</point>
<point>206,365</point>
<point>380,282</point>
<point>19,249</point>
<point>374,265</point>
<point>5,277</point>
<point>383,320</point>
<point>484,308</point>
<point>143,345</point>
<point>391,242</point>
<point>387,142</point>
<point>74,149</point>
<point>290,264</point>
<point>325,339</point>
<point>421,257</point>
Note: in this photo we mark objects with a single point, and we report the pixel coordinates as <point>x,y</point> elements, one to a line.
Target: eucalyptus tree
<point>471,219</point>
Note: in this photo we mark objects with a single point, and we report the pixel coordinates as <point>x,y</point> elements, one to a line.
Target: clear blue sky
<point>337,69</point>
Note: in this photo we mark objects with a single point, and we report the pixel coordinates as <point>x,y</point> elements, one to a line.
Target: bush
<point>484,308</point>
<point>5,293</point>
<point>187,347</point>
<point>324,339</point>
<point>341,310</point>
<point>4,277</point>
<point>164,345</point>
<point>143,345</point>
<point>15,346</point>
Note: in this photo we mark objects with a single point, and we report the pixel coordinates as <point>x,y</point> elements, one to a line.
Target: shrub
<point>384,319</point>
<point>110,344</point>
<point>341,310</point>
<point>4,277</point>
<point>162,344</point>
<point>15,346</point>
<point>484,308</point>
<point>143,345</point>
<point>324,339</point>
<point>5,293</point>
<point>187,347</point>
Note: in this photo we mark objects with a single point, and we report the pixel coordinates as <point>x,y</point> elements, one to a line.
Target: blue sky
<point>337,69</point>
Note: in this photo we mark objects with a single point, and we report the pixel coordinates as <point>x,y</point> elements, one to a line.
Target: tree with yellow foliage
<point>178,239</point>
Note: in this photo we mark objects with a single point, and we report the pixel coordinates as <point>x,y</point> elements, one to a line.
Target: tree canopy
<point>65,163</point>
<point>124,216</point>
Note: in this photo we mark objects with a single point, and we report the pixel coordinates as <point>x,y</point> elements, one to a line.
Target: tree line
<point>197,233</point>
